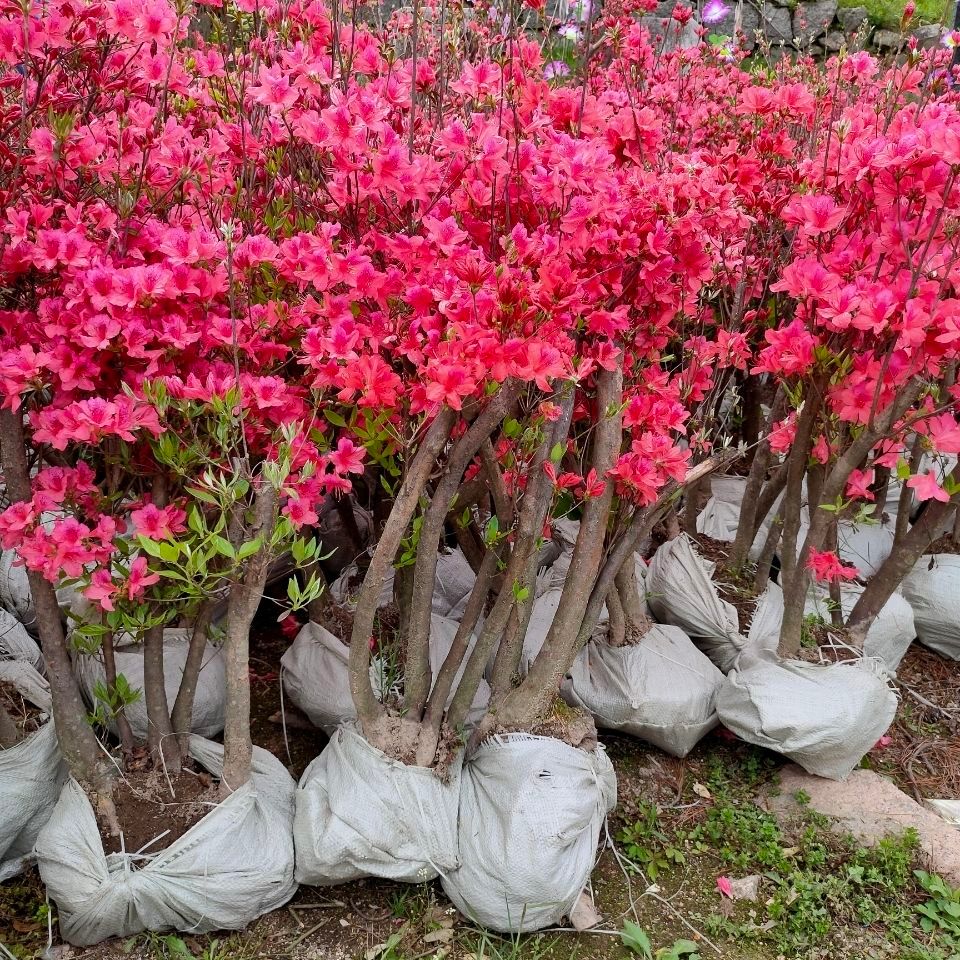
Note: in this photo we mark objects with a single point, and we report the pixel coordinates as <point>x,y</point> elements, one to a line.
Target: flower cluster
<point>332,241</point>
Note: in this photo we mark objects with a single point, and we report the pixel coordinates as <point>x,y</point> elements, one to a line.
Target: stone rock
<point>928,36</point>
<point>887,39</point>
<point>776,23</point>
<point>811,19</point>
<point>851,18</point>
<point>665,7</point>
<point>745,888</point>
<point>834,40</point>
<point>870,807</point>
<point>661,28</point>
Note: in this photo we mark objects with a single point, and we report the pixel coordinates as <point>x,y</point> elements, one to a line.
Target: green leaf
<point>195,520</point>
<point>169,551</point>
<point>202,495</point>
<point>249,548</point>
<point>335,418</point>
<point>556,454</point>
<point>634,938</point>
<point>225,547</point>
<point>149,546</point>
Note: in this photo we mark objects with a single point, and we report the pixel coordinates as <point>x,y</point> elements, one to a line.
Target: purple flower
<point>554,69</point>
<point>570,31</point>
<point>714,11</point>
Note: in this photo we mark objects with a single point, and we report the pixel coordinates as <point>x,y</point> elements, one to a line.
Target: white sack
<point>661,689</point>
<point>233,866</point>
<point>531,810</point>
<point>932,589</point>
<point>720,515</point>
<point>767,618</point>
<point>442,633</point>
<point>361,814</point>
<point>209,702</point>
<point>316,677</point>
<point>455,580</point>
<point>864,545</point>
<point>890,634</point>
<point>824,717</point>
<point>681,592</point>
<point>31,775</point>
<point>948,810</point>
<point>316,673</point>
<point>546,602</point>
<point>15,596</point>
<point>16,643</point>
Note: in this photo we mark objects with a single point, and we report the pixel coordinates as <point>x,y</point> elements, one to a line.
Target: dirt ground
<point>678,826</point>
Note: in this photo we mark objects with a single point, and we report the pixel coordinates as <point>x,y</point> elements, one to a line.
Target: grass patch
<point>887,13</point>
<point>821,894</point>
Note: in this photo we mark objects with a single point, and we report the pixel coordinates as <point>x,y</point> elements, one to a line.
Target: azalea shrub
<point>259,255</point>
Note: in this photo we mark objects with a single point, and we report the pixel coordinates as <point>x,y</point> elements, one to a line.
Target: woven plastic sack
<point>231,867</point>
<point>31,775</point>
<point>531,811</point>
<point>720,515</point>
<point>661,689</point>
<point>767,618</point>
<point>865,545</point>
<point>546,603</point>
<point>442,633</point>
<point>316,677</point>
<point>15,596</point>
<point>361,814</point>
<point>209,702</point>
<point>681,592</point>
<point>825,717</point>
<point>316,674</point>
<point>455,580</point>
<point>932,589</point>
<point>890,634</point>
<point>16,643</point>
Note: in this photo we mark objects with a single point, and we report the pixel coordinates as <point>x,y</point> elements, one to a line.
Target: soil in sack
<point>234,863</point>
<point>154,811</point>
<point>691,586</point>
<point>824,717</point>
<point>362,813</point>
<point>657,686</point>
<point>531,811</point>
<point>209,704</point>
<point>932,589</point>
<point>27,717</point>
<point>32,770</point>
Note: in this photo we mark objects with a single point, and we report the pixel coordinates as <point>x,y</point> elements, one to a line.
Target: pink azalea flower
<point>140,578</point>
<point>927,487</point>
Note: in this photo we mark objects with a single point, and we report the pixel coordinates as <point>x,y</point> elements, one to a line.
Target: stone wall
<point>819,27</point>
